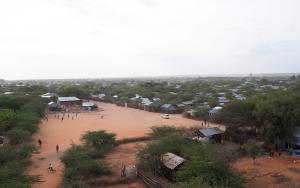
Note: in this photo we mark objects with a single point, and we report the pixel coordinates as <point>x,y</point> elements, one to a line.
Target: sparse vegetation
<point>19,118</point>
<point>207,163</point>
<point>84,162</point>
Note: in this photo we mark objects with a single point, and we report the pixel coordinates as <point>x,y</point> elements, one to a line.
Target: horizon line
<point>163,76</point>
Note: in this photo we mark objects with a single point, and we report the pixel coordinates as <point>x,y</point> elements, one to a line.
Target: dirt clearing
<point>124,122</point>
<point>275,172</point>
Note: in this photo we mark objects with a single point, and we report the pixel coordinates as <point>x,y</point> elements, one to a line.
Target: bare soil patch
<point>275,172</point>
<point>125,122</point>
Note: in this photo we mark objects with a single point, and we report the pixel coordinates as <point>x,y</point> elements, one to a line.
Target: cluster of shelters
<point>171,162</point>
<point>223,100</point>
<point>69,101</point>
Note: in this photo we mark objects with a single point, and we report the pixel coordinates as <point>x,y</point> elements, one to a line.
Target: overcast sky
<point>128,38</point>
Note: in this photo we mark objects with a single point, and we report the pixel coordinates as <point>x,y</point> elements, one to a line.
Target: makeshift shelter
<point>48,95</point>
<point>210,134</point>
<point>170,163</point>
<point>68,101</point>
<point>168,108</point>
<point>214,110</point>
<point>89,106</point>
<point>130,172</point>
<point>52,104</point>
<point>188,103</point>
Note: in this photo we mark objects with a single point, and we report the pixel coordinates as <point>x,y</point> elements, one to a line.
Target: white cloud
<point>116,38</point>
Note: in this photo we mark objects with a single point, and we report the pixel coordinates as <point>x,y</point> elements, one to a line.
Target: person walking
<point>40,142</point>
<point>57,148</point>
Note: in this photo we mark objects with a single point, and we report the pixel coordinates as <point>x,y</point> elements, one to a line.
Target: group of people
<point>56,147</point>
<point>50,168</point>
<point>64,115</point>
<point>205,123</point>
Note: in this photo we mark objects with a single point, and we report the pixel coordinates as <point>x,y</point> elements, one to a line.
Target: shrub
<point>97,139</point>
<point>74,155</point>
<point>161,131</point>
<point>18,136</point>
<point>205,162</point>
<point>86,169</point>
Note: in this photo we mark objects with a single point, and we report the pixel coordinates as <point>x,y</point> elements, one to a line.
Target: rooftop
<point>65,99</point>
<point>88,104</point>
<point>210,131</point>
<point>171,160</point>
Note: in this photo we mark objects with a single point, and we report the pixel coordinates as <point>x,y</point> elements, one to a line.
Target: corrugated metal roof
<point>65,99</point>
<point>187,102</point>
<point>210,131</point>
<point>88,104</point>
<point>171,160</point>
<point>168,107</point>
<point>146,101</point>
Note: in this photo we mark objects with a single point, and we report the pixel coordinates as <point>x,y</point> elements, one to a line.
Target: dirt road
<point>125,122</point>
<point>275,172</point>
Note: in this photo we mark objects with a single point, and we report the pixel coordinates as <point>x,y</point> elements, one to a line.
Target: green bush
<point>74,184</point>
<point>13,162</point>
<point>19,118</point>
<point>82,162</point>
<point>161,131</point>
<point>86,169</point>
<point>206,162</point>
<point>74,155</point>
<point>97,139</point>
<point>18,136</point>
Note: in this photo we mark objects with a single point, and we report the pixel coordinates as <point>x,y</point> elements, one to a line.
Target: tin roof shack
<point>296,135</point>
<point>170,109</point>
<point>170,164</point>
<point>89,106</point>
<point>53,106</point>
<point>213,135</point>
<point>48,95</point>
<point>129,172</point>
<point>68,101</point>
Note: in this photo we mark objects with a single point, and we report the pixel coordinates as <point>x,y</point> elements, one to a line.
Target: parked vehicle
<point>166,116</point>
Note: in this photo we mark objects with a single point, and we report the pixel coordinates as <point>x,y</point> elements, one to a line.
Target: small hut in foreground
<point>170,164</point>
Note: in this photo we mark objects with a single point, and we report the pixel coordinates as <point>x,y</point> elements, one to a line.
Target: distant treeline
<point>271,117</point>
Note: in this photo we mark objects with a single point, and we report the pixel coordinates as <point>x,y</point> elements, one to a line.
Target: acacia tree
<point>99,138</point>
<point>74,91</point>
<point>279,113</point>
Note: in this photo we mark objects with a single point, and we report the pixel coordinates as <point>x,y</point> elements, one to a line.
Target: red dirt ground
<point>125,122</point>
<point>276,172</point>
<point>124,154</point>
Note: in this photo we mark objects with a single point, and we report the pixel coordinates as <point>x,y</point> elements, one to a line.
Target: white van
<point>165,116</point>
